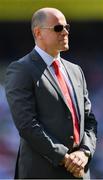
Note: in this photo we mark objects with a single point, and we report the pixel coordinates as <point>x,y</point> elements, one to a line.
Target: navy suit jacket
<point>43,118</point>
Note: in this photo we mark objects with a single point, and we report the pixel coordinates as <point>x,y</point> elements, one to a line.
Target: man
<point>49,102</point>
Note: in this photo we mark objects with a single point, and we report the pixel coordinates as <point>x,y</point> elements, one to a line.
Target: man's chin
<point>65,48</point>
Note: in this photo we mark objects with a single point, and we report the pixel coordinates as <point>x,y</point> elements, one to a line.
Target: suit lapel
<point>54,84</point>
<point>43,70</point>
<point>74,82</point>
<point>77,90</point>
<point>51,80</point>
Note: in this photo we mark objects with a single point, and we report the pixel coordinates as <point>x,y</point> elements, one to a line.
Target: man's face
<point>53,42</point>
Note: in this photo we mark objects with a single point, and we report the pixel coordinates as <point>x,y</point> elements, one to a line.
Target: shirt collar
<point>48,59</point>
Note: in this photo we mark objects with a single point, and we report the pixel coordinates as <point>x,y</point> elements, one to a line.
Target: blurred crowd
<point>8,139</point>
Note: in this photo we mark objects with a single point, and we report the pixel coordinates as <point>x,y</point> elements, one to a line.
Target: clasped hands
<point>75,163</point>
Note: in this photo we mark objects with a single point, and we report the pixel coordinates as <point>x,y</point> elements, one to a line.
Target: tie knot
<point>56,65</point>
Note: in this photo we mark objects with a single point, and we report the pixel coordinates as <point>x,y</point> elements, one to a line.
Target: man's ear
<point>37,32</point>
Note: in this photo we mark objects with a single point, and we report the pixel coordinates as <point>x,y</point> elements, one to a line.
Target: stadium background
<point>86,38</point>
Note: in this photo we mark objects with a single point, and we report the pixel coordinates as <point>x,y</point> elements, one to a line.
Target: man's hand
<point>75,163</point>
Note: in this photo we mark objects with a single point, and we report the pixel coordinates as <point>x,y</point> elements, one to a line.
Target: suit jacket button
<point>69,117</point>
<point>71,137</point>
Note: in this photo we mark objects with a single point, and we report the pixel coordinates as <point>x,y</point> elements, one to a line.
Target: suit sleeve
<point>90,123</point>
<point>22,101</point>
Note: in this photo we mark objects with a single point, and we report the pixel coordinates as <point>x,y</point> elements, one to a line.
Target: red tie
<point>66,93</point>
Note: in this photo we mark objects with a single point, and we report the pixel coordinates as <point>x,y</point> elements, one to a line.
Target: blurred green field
<point>21,10</point>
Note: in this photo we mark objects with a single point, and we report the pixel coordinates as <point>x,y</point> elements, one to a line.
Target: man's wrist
<point>86,152</point>
<point>64,159</point>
